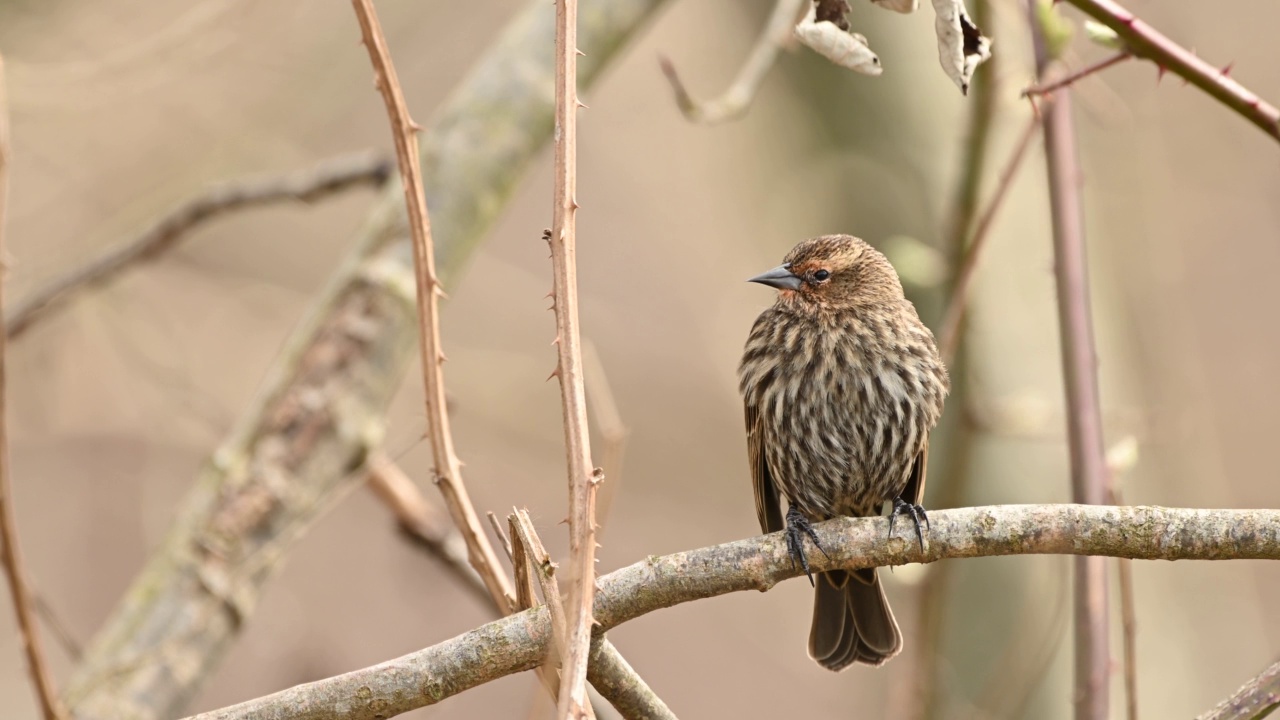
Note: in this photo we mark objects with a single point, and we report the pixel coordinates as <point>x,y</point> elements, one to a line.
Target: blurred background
<point>123,108</point>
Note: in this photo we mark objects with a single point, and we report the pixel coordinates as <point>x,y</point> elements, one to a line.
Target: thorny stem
<point>583,480</point>
<point>1079,368</point>
<point>1147,43</point>
<point>15,572</point>
<point>448,470</point>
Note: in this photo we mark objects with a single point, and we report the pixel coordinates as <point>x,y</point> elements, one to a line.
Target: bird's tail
<point>852,621</point>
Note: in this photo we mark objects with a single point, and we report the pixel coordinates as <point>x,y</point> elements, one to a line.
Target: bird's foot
<point>915,512</point>
<point>798,526</point>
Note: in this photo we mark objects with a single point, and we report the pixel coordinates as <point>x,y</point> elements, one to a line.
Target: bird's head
<point>834,272</point>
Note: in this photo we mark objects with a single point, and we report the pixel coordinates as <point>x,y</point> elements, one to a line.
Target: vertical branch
<point>1079,366</point>
<point>583,480</point>
<point>16,574</point>
<point>448,470</point>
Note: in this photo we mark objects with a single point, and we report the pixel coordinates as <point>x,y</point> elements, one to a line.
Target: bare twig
<point>583,479</point>
<point>1147,43</point>
<point>607,421</point>
<point>421,522</point>
<point>448,470</point>
<point>314,183</point>
<point>949,329</point>
<point>519,642</point>
<point>1079,369</point>
<point>735,101</point>
<point>1255,699</point>
<point>1080,74</point>
<point>15,572</point>
<point>496,524</point>
<point>322,403</point>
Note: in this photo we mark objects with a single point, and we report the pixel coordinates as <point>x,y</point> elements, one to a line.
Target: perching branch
<point>520,642</point>
<point>1255,699</point>
<point>735,101</point>
<point>448,469</point>
<point>1080,379</point>
<point>321,408</point>
<point>10,554</point>
<point>1147,43</point>
<point>323,179</point>
<point>584,479</point>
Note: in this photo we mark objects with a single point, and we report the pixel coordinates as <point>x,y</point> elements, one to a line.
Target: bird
<point>841,384</point>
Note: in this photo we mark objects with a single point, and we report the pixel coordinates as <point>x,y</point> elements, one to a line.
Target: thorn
<point>554,373</point>
<point>1160,71</point>
<point>440,357</point>
<point>440,293</point>
<point>556,341</point>
<point>1226,70</point>
<point>582,105</point>
<point>580,53</point>
<point>573,203</point>
<point>414,126</point>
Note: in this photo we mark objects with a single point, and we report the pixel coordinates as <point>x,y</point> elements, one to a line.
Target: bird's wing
<point>768,509</point>
<point>914,491</point>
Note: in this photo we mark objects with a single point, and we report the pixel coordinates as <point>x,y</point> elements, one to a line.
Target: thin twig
<point>607,420</point>
<point>421,522</point>
<point>1074,77</point>
<point>949,328</point>
<point>1255,699</point>
<point>496,524</point>
<point>519,642</point>
<point>448,470</point>
<point>583,479</point>
<point>15,572</point>
<point>1079,369</point>
<point>1147,43</point>
<point>734,102</point>
<point>319,181</point>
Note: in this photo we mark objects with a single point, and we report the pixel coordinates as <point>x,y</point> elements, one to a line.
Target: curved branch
<point>518,642</point>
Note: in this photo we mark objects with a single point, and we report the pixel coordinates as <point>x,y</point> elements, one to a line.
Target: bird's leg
<point>798,526</point>
<point>915,512</point>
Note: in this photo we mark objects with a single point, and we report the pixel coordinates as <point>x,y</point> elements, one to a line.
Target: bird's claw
<point>915,512</point>
<point>798,526</point>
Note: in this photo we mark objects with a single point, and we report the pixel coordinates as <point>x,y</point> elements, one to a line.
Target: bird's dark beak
<point>780,277</point>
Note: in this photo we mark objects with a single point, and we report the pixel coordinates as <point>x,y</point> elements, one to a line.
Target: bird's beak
<point>780,277</point>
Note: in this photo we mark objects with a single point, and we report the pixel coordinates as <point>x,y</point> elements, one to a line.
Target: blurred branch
<point>315,183</point>
<point>14,569</point>
<point>584,478</point>
<point>321,408</point>
<point>1146,42</point>
<point>949,329</point>
<point>1080,74</point>
<point>735,101</point>
<point>1255,699</point>
<point>607,420</point>
<point>519,642</point>
<point>422,523</point>
<point>1080,378</point>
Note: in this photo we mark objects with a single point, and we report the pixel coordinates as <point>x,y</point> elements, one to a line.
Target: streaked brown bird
<point>842,384</point>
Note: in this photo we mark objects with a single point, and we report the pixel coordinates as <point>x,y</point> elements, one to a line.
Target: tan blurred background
<point>122,108</point>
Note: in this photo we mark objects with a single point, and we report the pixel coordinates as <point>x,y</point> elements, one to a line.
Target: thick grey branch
<point>517,643</point>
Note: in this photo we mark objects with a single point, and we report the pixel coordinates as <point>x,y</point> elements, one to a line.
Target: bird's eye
<point>821,275</point>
